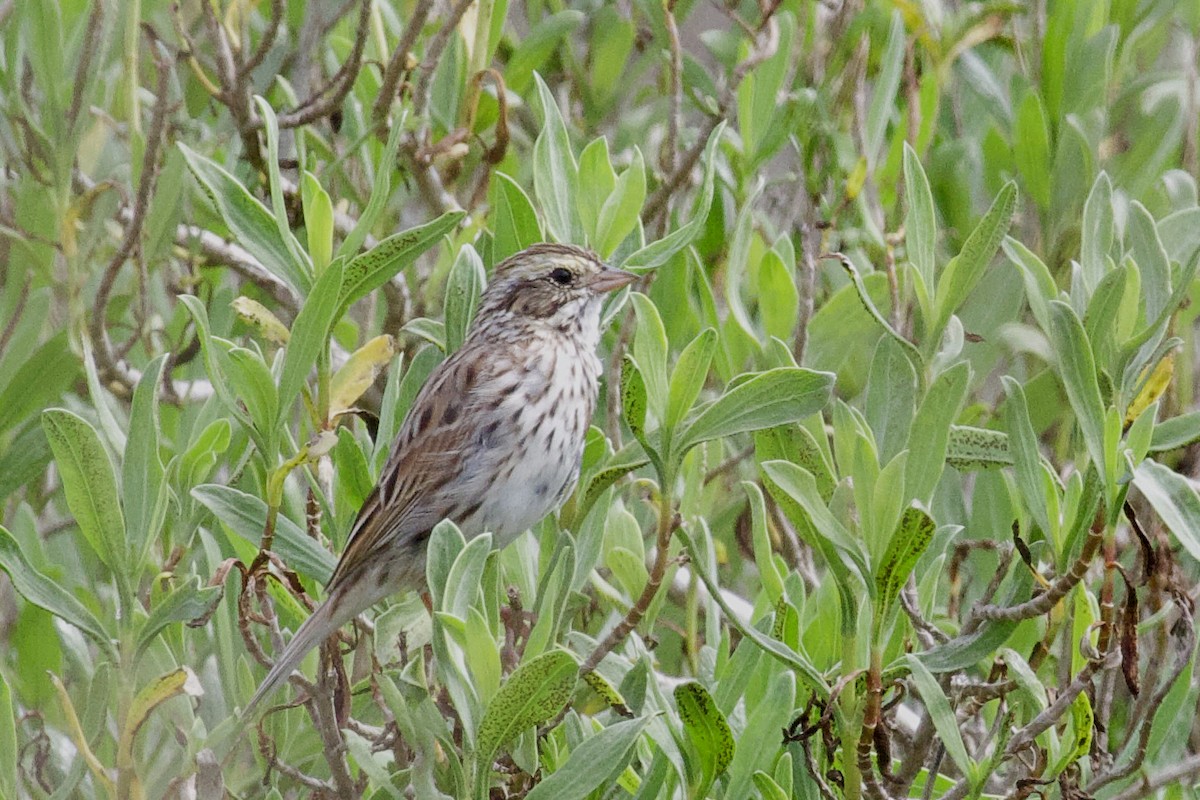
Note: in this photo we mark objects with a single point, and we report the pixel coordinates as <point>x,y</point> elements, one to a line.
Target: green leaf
<point>971,448</point>
<point>535,692</point>
<point>597,760</point>
<point>908,543</point>
<point>464,287</point>
<point>764,554</point>
<point>216,364</point>
<point>930,435</point>
<point>920,226</point>
<point>299,258</point>
<point>1097,234</point>
<point>650,350</point>
<point>246,516</point>
<point>367,272</point>
<point>887,82</point>
<point>9,776</point>
<point>767,399</point>
<point>555,174</point>
<point>779,300</point>
<point>143,477</point>
<point>310,337</point>
<point>1174,499</point>
<point>687,379</point>
<point>515,224</point>
<point>633,397</point>
<point>318,220</point>
<point>619,215</point>
<point>705,728</point>
<point>186,602</point>
<point>660,252</point>
<point>250,224</point>
<point>1176,432</point>
<point>1027,460</point>
<point>536,46</point>
<point>90,484</point>
<point>1151,259</point>
<point>39,381</point>
<point>1031,150</point>
<point>44,593</point>
<point>891,397</point>
<point>940,713</point>
<point>597,179</point>
<point>1040,287</point>
<point>252,383</point>
<point>966,269</point>
<point>1078,372</point>
<point>381,193</point>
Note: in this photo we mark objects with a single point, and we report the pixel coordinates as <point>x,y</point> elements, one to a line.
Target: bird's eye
<point>561,276</point>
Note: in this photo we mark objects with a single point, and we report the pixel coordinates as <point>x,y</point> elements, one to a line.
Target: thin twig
<point>329,97</point>
<point>398,64</point>
<point>111,364</point>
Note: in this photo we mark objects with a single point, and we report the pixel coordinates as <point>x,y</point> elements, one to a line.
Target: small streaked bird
<point>493,441</point>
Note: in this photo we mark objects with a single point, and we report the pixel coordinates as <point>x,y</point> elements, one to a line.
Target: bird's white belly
<point>536,467</point>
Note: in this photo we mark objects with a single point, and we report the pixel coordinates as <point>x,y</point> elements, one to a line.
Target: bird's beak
<point>610,279</point>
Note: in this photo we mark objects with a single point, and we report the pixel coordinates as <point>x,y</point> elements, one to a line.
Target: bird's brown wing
<point>428,457</point>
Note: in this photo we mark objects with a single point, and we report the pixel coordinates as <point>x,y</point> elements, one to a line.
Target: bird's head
<point>557,285</point>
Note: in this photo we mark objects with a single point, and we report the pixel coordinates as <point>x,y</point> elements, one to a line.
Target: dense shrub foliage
<point>888,489</point>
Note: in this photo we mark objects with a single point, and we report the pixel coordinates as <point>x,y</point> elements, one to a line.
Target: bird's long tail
<point>342,605</point>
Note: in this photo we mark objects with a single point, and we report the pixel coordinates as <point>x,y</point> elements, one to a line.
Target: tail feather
<point>342,605</point>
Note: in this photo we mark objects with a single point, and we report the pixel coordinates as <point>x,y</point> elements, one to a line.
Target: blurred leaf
<point>318,220</point>
<point>246,516</point>
<point>367,272</point>
<point>940,714</point>
<point>887,82</point>
<point>619,214</point>
<point>1027,463</point>
<point>658,253</point>
<point>41,380</point>
<point>965,270</point>
<point>9,775</point>
<point>464,286</point>
<point>767,399</point>
<point>1176,432</point>
<point>90,485</point>
<point>248,220</point>
<point>597,179</point>
<point>515,224</point>
<point>779,300</point>
<point>592,764</point>
<point>177,682</point>
<point>536,47</point>
<point>1097,235</point>
<point>555,174</point>
<point>186,602</point>
<point>650,350</point>
<point>1078,373</point>
<point>1031,148</point>
<point>310,337</point>
<point>689,375</point>
<point>920,226</point>
<point>44,593</point>
<point>764,554</point>
<point>930,435</point>
<point>1174,499</point>
<point>143,477</point>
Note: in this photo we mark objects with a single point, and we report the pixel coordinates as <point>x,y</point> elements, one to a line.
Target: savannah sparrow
<point>493,440</point>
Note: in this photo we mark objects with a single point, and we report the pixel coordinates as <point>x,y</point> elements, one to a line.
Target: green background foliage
<point>888,493</point>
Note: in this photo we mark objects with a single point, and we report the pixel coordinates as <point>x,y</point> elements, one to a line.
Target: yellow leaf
<point>856,179</point>
<point>151,696</point>
<point>359,372</point>
<point>255,313</point>
<point>75,730</point>
<point>1153,384</point>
